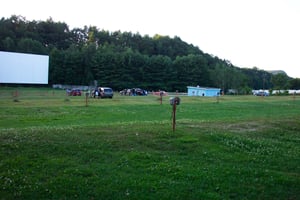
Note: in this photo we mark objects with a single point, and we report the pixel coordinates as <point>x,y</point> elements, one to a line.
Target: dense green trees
<point>280,81</point>
<point>258,79</point>
<point>124,60</point>
<point>294,84</point>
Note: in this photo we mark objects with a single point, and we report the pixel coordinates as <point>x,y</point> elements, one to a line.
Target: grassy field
<point>56,147</point>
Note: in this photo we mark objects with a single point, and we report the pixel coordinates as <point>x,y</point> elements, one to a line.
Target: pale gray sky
<point>260,33</point>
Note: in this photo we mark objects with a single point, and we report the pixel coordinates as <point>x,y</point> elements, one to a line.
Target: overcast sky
<point>249,33</point>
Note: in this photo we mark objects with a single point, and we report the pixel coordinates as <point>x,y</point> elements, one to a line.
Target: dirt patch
<point>246,127</point>
<point>238,127</point>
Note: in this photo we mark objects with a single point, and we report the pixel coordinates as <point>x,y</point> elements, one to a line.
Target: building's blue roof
<point>202,88</point>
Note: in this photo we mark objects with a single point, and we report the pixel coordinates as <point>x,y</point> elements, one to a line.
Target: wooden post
<point>86,98</point>
<point>174,102</point>
<point>174,116</point>
<point>16,96</point>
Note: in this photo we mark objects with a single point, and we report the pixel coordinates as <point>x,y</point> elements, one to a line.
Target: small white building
<point>203,91</point>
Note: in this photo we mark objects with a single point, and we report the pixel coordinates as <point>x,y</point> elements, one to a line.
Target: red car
<point>75,92</point>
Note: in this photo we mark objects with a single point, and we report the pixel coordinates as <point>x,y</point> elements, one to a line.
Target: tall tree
<point>8,44</point>
<point>54,33</point>
<point>88,61</point>
<point>27,45</point>
<point>191,71</point>
<point>294,84</point>
<point>56,69</point>
<point>280,81</point>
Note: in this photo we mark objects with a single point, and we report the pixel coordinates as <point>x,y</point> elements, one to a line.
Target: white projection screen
<point>23,68</point>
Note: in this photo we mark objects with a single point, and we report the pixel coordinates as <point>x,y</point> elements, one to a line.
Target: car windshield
<point>107,90</point>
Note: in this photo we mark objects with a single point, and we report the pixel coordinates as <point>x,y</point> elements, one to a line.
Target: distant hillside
<point>275,72</point>
<point>124,59</point>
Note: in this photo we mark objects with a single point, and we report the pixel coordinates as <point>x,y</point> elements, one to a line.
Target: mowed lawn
<point>235,147</point>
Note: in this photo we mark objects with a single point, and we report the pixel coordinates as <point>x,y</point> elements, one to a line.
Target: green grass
<point>56,147</point>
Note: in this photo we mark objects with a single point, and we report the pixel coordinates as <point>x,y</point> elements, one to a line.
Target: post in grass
<point>174,102</point>
<point>161,93</point>
<point>87,94</point>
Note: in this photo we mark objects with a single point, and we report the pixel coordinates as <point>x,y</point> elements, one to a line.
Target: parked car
<point>74,92</point>
<point>261,93</point>
<point>139,92</point>
<point>160,93</point>
<point>103,92</point>
<point>125,92</point>
<point>134,92</point>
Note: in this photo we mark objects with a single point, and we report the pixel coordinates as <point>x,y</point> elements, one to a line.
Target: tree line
<point>126,60</point>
